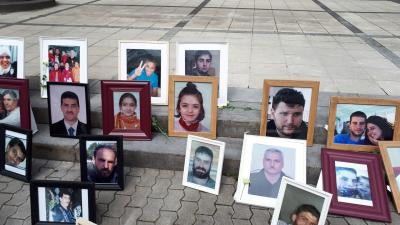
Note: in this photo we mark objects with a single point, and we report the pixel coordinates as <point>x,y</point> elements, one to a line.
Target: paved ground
<point>150,196</point>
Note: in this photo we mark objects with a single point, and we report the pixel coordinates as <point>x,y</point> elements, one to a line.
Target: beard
<point>200,172</point>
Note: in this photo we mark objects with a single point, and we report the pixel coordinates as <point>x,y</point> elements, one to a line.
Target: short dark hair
<point>308,208</point>
<point>127,95</point>
<point>204,150</point>
<point>16,141</point>
<point>358,114</point>
<point>69,94</point>
<point>10,92</point>
<point>150,59</point>
<point>65,191</point>
<point>191,89</point>
<point>106,146</point>
<point>202,52</point>
<point>289,96</point>
<point>346,169</point>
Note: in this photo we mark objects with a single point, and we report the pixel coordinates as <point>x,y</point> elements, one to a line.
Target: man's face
<point>273,163</point>
<point>9,102</point>
<point>304,218</point>
<point>363,187</point>
<point>4,61</point>
<point>346,182</point>
<point>70,109</point>
<point>105,161</point>
<point>203,63</point>
<point>65,200</point>
<point>14,156</point>
<point>202,165</point>
<point>287,119</point>
<point>357,126</point>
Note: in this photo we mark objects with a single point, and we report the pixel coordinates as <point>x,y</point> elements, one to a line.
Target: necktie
<point>71,131</point>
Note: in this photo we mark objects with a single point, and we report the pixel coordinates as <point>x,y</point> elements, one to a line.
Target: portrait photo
<point>58,202</point>
<point>264,163</point>
<point>126,109</point>
<point>11,57</point>
<point>62,60</point>
<point>203,164</point>
<point>192,108</point>
<point>356,182</point>
<point>205,59</point>
<point>390,152</point>
<point>359,124</point>
<point>15,160</point>
<point>146,61</point>
<point>69,109</point>
<point>102,161</point>
<point>15,103</point>
<point>300,204</point>
<point>289,109</point>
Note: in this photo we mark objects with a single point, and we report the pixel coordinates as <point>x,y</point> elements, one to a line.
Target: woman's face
<point>373,131</point>
<point>128,106</point>
<point>189,108</point>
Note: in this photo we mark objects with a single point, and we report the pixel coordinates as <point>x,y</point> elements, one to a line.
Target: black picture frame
<point>41,190</point>
<point>119,168</point>
<point>53,101</point>
<point>17,134</point>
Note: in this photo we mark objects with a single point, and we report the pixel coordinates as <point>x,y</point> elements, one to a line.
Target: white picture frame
<point>292,151</point>
<point>218,148</point>
<point>158,50</point>
<point>11,43</point>
<point>288,201</point>
<point>68,44</point>
<point>221,66</point>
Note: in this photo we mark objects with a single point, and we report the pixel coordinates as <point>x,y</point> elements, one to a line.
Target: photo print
<point>11,57</point>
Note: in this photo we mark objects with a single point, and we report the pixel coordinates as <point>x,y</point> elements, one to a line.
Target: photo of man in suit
<point>70,125</point>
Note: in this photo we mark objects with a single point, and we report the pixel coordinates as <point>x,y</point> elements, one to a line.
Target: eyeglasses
<point>4,57</point>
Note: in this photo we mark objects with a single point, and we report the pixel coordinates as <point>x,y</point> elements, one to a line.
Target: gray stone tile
<point>160,189</point>
<point>5,212</point>
<point>167,218</point>
<point>23,212</point>
<point>105,196</point>
<point>207,204</point>
<point>223,216</point>
<point>241,222</point>
<point>109,221</point>
<point>130,215</point>
<point>5,179</point>
<point>355,221</point>
<point>336,220</point>
<point>260,216</point>
<point>228,180</point>
<point>151,211</point>
<point>4,197</point>
<point>116,207</point>
<point>177,181</point>
<point>130,185</point>
<point>11,221</point>
<point>20,197</point>
<point>139,198</point>
<point>28,221</point>
<point>168,174</point>
<point>191,194</point>
<point>172,200</point>
<point>204,220</point>
<point>100,210</point>
<point>149,177</point>
<point>3,186</point>
<point>241,211</point>
<point>186,214</point>
<point>226,195</point>
<point>13,187</point>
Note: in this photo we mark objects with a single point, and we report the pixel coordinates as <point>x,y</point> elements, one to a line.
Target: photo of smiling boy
<point>146,72</point>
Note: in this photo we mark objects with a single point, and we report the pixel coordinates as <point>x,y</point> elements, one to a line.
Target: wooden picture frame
<point>296,91</point>
<point>16,152</point>
<point>200,87</point>
<point>200,154</point>
<point>341,108</point>
<point>135,126</point>
<point>390,151</point>
<point>134,54</point>
<point>19,113</point>
<point>97,150</point>
<point>75,50</point>
<point>186,53</point>
<point>295,197</point>
<point>68,101</point>
<point>44,207</point>
<point>356,181</point>
<point>13,47</point>
<point>289,157</point>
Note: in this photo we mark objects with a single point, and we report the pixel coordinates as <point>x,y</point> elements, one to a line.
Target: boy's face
<point>150,68</point>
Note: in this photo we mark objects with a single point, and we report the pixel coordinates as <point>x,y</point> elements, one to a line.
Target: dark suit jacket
<point>59,129</point>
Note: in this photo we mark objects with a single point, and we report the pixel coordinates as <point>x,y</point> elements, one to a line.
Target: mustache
<point>201,168</point>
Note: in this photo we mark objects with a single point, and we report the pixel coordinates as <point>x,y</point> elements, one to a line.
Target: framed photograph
<point>16,148</point>
<point>126,109</point>
<point>146,61</point>
<point>62,60</point>
<point>264,162</point>
<point>359,123</point>
<point>81,221</point>
<point>390,152</point>
<point>15,108</point>
<point>11,57</point>
<point>62,202</point>
<point>355,179</point>
<point>192,106</point>
<point>300,204</point>
<point>69,109</point>
<point>289,109</point>
<point>203,164</point>
<point>102,161</point>
<point>205,59</point>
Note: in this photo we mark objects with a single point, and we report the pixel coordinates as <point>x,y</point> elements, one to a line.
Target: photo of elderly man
<point>8,66</point>
<point>9,110</point>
